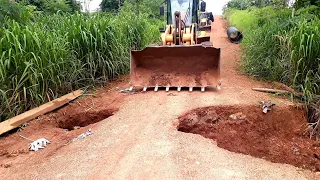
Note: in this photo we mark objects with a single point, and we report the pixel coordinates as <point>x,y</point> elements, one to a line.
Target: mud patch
<point>82,119</point>
<point>276,136</point>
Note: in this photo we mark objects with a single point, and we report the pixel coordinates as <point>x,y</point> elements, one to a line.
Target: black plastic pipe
<point>234,35</point>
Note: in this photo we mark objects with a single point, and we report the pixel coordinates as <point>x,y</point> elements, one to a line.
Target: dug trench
<point>62,125</point>
<point>58,127</point>
<point>76,120</point>
<point>278,136</point>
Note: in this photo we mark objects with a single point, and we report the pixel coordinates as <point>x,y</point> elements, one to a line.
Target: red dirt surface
<point>65,123</point>
<point>276,136</point>
<point>141,141</point>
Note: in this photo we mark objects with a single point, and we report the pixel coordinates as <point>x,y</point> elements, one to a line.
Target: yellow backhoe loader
<point>205,18</point>
<point>186,59</point>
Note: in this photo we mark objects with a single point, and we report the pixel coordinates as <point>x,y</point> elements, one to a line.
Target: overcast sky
<point>214,6</point>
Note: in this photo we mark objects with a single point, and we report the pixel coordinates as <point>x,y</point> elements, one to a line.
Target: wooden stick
<point>16,121</point>
<point>270,90</point>
<point>285,87</point>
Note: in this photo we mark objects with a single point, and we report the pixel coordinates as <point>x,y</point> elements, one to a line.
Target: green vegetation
<point>279,47</point>
<point>305,3</point>
<point>52,6</point>
<point>110,5</point>
<point>150,7</point>
<point>247,4</point>
<point>10,10</point>
<point>51,55</point>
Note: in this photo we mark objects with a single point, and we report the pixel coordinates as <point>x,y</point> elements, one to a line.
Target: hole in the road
<point>276,136</point>
<point>81,119</point>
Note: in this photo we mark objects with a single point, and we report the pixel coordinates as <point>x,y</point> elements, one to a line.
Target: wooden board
<point>16,121</point>
<point>270,90</point>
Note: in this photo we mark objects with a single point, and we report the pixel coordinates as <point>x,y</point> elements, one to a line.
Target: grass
<point>53,55</point>
<point>281,48</point>
<point>254,18</point>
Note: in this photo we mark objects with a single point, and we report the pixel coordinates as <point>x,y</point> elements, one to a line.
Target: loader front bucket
<point>205,28</point>
<point>204,34</point>
<point>175,66</point>
<point>202,39</point>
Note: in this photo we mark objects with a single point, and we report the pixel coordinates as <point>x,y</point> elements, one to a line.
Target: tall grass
<point>254,18</point>
<point>43,59</point>
<point>304,45</point>
<point>281,48</point>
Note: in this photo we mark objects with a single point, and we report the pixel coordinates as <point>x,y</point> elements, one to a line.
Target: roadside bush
<point>250,19</point>
<point>281,48</point>
<point>43,59</point>
<point>12,10</point>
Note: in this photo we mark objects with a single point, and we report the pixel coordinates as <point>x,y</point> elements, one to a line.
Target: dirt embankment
<point>277,136</point>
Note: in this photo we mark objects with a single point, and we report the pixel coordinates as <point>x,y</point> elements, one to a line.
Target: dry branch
<point>287,88</point>
<point>270,90</point>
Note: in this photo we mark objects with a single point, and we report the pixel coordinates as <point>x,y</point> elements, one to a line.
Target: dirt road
<point>141,140</point>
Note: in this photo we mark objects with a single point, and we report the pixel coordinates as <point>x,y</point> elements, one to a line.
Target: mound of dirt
<point>276,136</point>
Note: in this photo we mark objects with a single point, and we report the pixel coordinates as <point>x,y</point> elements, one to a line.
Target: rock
<point>237,116</point>
<point>295,151</point>
<point>266,106</point>
<point>5,165</point>
<point>211,119</point>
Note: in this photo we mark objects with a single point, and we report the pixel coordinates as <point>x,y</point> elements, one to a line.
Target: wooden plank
<point>287,88</point>
<point>16,121</point>
<point>270,90</point>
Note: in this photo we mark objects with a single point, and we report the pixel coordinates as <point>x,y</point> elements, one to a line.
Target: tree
<point>13,10</point>
<point>150,7</point>
<point>53,6</point>
<point>111,5</point>
<point>74,5</point>
<point>245,4</point>
<point>239,4</point>
<point>303,3</point>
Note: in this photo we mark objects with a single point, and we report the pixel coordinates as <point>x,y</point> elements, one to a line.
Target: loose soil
<point>65,123</point>
<point>159,79</point>
<point>181,66</point>
<point>277,136</point>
